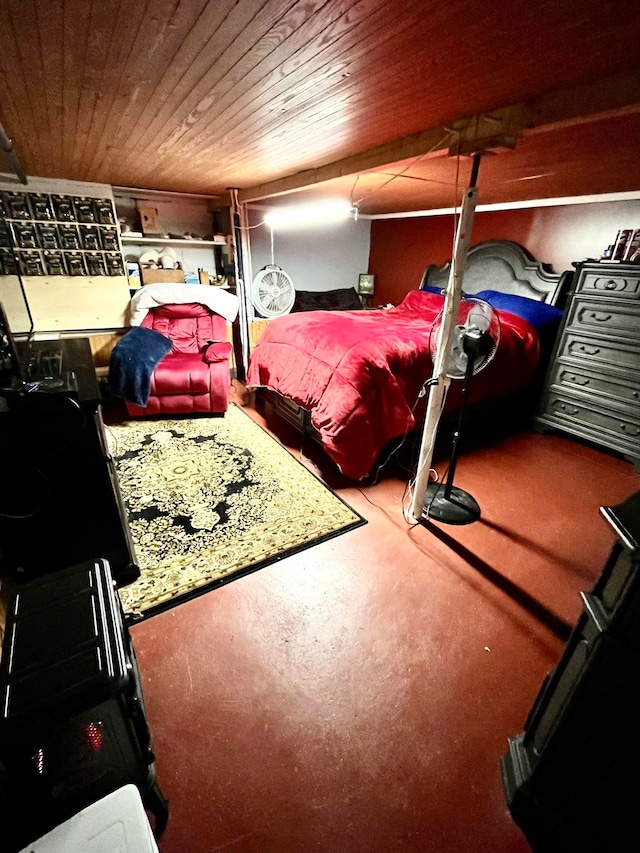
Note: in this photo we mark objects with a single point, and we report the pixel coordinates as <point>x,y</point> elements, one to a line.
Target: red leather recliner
<point>194,376</point>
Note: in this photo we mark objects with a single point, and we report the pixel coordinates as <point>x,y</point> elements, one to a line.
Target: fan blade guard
<point>273,292</point>
<point>475,318</point>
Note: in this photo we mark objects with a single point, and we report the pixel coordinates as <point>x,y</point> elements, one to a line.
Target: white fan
<point>273,293</point>
<point>473,344</point>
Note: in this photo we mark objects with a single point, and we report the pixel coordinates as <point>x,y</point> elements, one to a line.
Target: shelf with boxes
<point>153,221</point>
<point>45,234</point>
<point>61,264</point>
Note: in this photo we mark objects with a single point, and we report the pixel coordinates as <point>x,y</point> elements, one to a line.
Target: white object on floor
<point>117,823</point>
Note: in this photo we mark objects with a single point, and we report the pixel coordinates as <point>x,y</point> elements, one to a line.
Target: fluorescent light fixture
<point>303,215</point>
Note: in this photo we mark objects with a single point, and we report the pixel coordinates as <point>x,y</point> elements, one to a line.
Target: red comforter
<point>359,372</point>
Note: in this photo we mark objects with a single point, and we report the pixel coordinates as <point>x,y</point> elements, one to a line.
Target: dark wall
<point>558,235</point>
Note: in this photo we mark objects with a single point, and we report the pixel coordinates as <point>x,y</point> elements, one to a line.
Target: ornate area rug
<point>210,499</point>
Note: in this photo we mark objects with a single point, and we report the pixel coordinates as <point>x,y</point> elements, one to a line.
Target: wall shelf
<point>167,241</point>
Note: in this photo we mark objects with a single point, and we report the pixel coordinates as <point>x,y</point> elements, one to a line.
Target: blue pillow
<point>536,313</point>
<point>431,288</point>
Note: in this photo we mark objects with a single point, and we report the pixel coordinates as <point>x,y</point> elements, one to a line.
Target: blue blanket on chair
<point>133,360</point>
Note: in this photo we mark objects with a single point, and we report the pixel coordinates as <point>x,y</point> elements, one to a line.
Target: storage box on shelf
<point>56,235</point>
<point>155,276</point>
<point>592,389</point>
<point>61,265</point>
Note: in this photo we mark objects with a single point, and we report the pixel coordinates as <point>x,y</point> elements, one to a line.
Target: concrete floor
<point>357,697</point>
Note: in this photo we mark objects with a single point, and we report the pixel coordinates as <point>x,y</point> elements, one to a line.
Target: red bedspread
<point>359,372</point>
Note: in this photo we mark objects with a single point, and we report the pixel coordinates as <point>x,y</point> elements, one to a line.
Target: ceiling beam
<point>602,99</point>
<point>495,128</point>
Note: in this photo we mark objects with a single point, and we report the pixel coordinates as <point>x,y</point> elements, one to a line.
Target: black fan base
<point>458,508</point>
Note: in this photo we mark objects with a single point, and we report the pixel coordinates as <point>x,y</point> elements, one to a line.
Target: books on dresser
<point>626,244</point>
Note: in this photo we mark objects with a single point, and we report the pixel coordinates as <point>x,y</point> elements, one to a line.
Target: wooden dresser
<point>592,389</point>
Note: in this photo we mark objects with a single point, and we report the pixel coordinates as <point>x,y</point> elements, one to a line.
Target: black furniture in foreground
<point>60,502</point>
<point>73,726</point>
<point>571,778</point>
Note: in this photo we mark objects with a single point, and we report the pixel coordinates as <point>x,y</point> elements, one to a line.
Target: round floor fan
<point>473,344</point>
<point>273,293</point>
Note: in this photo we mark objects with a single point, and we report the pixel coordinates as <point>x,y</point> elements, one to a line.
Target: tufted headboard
<point>504,266</point>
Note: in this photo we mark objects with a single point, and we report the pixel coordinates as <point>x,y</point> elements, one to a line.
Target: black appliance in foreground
<point>571,778</point>
<point>60,501</point>
<point>73,726</point>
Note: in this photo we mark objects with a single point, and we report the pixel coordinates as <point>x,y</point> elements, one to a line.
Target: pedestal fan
<point>474,342</point>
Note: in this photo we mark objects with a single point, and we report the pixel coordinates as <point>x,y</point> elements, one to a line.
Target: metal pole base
<point>459,507</point>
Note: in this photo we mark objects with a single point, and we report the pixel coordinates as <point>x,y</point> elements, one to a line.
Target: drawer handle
<point>578,380</point>
<point>588,350</point>
<point>629,429</point>
<point>610,285</point>
<point>570,410</point>
<point>600,318</point>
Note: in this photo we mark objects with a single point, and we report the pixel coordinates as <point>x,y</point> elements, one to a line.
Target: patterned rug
<point>210,499</point>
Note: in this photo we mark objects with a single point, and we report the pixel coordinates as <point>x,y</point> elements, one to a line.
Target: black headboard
<point>504,266</point>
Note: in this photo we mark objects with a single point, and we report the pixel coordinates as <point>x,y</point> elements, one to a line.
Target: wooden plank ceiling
<point>364,98</point>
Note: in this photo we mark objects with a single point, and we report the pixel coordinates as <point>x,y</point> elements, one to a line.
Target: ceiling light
<point>303,215</point>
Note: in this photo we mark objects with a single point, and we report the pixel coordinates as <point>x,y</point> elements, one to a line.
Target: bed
<point>353,378</point>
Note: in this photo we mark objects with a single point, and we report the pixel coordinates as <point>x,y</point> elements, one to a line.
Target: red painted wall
<point>402,248</point>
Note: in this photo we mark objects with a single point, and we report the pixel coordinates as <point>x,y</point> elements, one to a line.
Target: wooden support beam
<point>601,99</point>
<point>591,102</point>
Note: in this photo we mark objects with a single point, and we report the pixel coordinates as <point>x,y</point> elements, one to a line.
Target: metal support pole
<point>240,257</point>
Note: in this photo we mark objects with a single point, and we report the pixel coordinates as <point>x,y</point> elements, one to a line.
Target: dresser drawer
<point>599,353</point>
<point>625,284</point>
<point>285,407</point>
<point>597,384</point>
<point>605,318</point>
<point>289,409</point>
<point>592,421</point>
<point>592,390</point>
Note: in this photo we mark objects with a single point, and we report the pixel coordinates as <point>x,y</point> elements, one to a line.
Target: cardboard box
<point>148,219</point>
<point>158,276</point>
<point>256,328</point>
